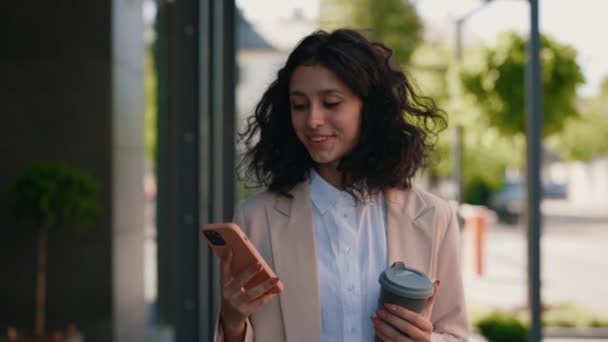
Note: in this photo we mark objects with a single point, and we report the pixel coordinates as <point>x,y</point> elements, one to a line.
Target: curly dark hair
<point>398,126</point>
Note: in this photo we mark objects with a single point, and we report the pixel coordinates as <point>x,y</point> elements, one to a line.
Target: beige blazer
<point>422,231</point>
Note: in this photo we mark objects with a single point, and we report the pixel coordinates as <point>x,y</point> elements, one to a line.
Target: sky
<point>580,23</point>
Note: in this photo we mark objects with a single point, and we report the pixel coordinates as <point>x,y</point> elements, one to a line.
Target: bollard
<point>477,226</point>
<point>476,218</point>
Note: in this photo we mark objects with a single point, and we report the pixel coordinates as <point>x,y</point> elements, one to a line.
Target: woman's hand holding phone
<point>239,303</point>
<point>246,279</point>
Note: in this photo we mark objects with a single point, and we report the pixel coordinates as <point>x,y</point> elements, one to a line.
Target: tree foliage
<point>585,137</point>
<point>393,22</point>
<point>428,69</point>
<point>151,104</point>
<point>487,153</point>
<point>54,195</point>
<point>499,87</point>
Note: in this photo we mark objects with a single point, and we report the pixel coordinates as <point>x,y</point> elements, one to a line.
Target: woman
<point>336,141</point>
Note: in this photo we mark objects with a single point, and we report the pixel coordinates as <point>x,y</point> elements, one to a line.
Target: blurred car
<point>510,201</point>
<point>555,191</point>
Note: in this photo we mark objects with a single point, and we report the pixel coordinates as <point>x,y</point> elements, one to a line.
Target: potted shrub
<point>50,196</point>
<point>501,327</point>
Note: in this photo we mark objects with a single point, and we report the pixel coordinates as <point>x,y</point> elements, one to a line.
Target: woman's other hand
<point>237,303</point>
<point>397,324</point>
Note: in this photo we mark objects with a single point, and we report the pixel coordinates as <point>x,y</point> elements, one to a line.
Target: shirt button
<point>347,249</point>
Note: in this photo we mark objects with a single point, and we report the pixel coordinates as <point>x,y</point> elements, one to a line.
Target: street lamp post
<point>457,150</point>
<point>534,101</point>
<point>458,130</point>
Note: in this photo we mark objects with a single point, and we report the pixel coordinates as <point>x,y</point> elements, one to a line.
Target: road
<point>574,261</point>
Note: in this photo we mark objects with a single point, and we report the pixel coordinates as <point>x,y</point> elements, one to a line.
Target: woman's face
<point>325,114</point>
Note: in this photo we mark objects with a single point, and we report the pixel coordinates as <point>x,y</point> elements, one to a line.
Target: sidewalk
<point>574,263</point>
<point>572,256</point>
<point>478,338</point>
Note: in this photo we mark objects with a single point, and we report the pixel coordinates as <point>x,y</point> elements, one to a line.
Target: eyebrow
<point>323,92</point>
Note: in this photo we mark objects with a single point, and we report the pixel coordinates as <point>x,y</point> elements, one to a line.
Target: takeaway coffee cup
<point>404,286</point>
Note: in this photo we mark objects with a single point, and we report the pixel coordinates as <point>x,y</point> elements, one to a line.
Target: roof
<point>247,37</point>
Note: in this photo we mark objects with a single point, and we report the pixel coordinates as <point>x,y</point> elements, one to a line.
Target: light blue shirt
<point>351,254</point>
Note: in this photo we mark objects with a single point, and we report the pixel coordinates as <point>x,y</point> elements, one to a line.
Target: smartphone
<point>228,235</point>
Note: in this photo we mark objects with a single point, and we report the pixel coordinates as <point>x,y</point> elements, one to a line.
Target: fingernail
<point>390,307</point>
<point>381,313</point>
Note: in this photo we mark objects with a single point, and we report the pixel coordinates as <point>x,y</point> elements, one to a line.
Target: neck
<point>331,175</point>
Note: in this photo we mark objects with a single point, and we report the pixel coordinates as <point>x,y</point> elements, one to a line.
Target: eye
<point>298,107</point>
<point>332,104</point>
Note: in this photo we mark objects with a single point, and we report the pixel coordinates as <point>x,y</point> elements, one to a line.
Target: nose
<point>316,117</point>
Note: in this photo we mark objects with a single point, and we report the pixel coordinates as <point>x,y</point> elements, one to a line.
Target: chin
<point>323,160</point>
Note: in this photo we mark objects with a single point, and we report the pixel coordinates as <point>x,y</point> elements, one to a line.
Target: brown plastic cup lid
<point>406,282</point>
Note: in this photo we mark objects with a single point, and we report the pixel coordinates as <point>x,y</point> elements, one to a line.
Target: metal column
<point>534,136</point>
<point>217,128</point>
<point>196,65</point>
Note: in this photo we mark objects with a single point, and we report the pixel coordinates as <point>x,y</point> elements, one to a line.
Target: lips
<point>319,141</point>
<point>319,138</point>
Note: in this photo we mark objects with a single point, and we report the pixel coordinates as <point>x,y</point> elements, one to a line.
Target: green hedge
<point>499,327</point>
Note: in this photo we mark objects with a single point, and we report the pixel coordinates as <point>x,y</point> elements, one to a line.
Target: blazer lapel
<point>294,255</point>
<point>410,229</point>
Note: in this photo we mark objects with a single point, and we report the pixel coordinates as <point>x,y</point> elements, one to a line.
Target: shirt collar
<point>323,194</point>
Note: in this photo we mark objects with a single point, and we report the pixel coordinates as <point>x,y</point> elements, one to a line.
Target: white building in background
<point>261,51</point>
<point>588,184</point>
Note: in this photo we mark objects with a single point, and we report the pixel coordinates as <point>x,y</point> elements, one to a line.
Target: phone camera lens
<point>215,238</point>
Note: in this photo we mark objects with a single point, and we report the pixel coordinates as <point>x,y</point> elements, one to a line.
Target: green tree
<point>497,83</point>
<point>50,196</point>
<point>487,153</point>
<point>428,69</point>
<point>584,137</point>
<point>151,110</point>
<point>394,22</point>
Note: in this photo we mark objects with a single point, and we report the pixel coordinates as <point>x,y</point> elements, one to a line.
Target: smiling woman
<point>336,140</point>
<point>326,117</point>
<point>380,130</point>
